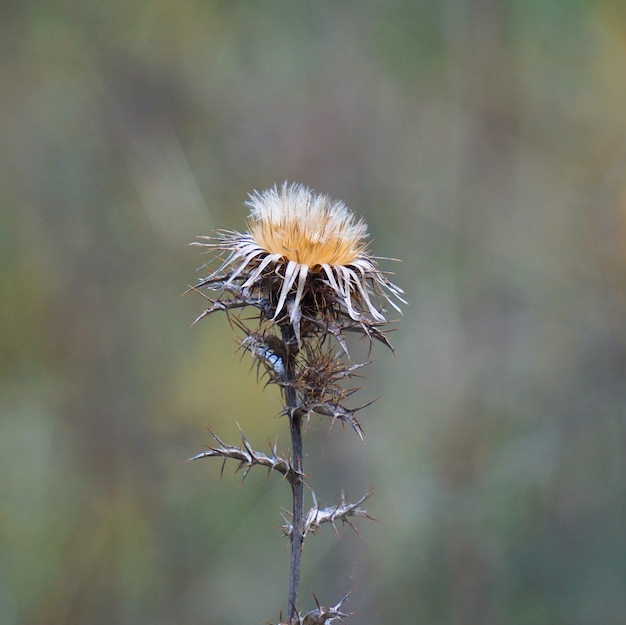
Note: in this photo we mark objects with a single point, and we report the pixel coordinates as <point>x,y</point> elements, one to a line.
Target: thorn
<point>245,475</point>
<point>195,289</point>
<point>245,441</point>
<point>202,454</point>
<point>216,437</point>
<point>199,317</point>
<point>317,603</point>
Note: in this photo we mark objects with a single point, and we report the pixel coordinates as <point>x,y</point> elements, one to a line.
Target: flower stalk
<point>304,266</point>
<point>297,485</point>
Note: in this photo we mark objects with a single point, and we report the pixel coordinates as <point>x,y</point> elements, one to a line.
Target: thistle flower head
<point>308,229</point>
<point>304,259</point>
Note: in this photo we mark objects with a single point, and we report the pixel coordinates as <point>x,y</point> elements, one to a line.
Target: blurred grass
<point>484,144</point>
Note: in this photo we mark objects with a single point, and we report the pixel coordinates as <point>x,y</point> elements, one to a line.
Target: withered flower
<point>304,260</point>
<point>304,264</point>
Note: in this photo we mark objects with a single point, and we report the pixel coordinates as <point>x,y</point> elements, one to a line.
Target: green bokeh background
<point>485,144</point>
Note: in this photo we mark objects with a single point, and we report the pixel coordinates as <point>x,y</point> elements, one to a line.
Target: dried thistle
<point>304,265</point>
<point>304,259</point>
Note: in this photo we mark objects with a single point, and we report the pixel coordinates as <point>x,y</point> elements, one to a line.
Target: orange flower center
<point>306,228</point>
<point>299,242</point>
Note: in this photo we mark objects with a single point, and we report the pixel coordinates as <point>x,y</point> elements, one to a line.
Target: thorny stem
<point>297,485</point>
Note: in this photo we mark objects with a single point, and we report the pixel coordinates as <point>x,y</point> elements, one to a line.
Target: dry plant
<point>305,267</point>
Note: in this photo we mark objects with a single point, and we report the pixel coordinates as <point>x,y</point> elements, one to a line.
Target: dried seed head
<point>303,259</point>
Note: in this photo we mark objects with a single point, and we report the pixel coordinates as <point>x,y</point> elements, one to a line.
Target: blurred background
<point>483,141</point>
